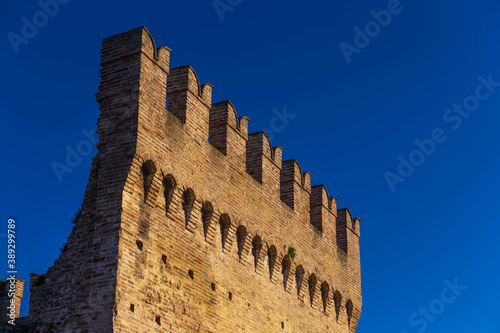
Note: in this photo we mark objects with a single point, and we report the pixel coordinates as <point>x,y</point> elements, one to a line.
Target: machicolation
<point>192,224</point>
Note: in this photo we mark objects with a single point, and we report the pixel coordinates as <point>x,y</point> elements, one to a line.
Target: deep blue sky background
<point>352,122</point>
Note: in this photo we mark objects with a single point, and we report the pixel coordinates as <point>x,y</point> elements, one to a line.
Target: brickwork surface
<point>190,223</point>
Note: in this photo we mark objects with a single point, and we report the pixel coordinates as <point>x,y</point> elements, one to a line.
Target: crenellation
<point>343,222</point>
<point>263,161</point>
<point>229,134</point>
<point>277,156</point>
<point>320,197</point>
<point>306,181</point>
<point>189,101</point>
<point>206,93</point>
<point>190,223</point>
<point>323,211</point>
<point>295,186</point>
<point>184,79</point>
<point>346,220</point>
<point>348,241</point>
<point>243,126</point>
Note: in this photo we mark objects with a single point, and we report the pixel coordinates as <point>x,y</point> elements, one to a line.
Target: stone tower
<point>192,224</point>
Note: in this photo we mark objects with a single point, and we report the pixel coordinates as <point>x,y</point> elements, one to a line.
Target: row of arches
<point>318,292</point>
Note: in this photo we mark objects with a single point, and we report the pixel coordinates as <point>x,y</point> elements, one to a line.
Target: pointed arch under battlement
<point>207,212</point>
<point>224,224</point>
<point>320,294</point>
<point>349,306</point>
<point>188,199</point>
<point>148,170</point>
<point>272,255</point>
<point>337,300</point>
<point>241,235</point>
<point>299,280</point>
<point>286,265</point>
<point>311,283</point>
<point>325,291</point>
<point>169,185</point>
<point>256,250</point>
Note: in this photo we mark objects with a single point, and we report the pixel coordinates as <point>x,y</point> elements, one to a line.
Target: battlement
<point>191,102</point>
<point>195,224</point>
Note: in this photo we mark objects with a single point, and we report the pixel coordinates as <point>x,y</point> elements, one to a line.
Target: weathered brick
<point>191,224</point>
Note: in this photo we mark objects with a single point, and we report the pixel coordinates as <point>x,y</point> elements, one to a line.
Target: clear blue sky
<point>352,122</point>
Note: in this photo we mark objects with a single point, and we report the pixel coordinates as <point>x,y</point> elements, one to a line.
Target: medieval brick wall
<point>190,223</point>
